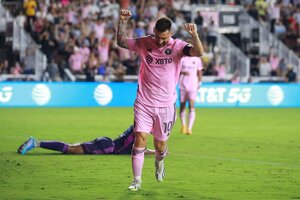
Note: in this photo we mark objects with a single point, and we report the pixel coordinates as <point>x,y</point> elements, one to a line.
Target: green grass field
<point>233,154</point>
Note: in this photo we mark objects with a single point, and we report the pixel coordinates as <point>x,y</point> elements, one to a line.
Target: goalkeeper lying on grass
<point>104,145</point>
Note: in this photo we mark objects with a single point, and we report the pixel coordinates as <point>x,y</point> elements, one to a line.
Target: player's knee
<point>75,150</point>
<point>140,140</point>
<point>191,105</point>
<point>160,146</point>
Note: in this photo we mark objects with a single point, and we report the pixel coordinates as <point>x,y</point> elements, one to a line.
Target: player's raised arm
<point>197,49</point>
<point>125,15</point>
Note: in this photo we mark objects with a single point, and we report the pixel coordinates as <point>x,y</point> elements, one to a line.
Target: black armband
<point>186,50</point>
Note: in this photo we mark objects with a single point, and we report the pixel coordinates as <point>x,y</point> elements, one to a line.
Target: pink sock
<point>182,118</point>
<point>192,117</point>
<point>160,156</point>
<point>137,159</point>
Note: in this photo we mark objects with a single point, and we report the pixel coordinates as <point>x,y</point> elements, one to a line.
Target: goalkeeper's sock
<point>137,159</point>
<point>192,117</point>
<point>54,145</point>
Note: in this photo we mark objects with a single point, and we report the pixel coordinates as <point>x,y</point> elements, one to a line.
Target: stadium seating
<point>241,40</point>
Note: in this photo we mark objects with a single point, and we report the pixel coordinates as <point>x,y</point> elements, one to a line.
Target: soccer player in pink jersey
<point>154,107</point>
<point>189,83</point>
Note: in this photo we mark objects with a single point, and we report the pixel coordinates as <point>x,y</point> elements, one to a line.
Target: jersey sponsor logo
<point>168,51</point>
<point>158,61</point>
<point>163,61</point>
<point>189,67</point>
<point>6,94</point>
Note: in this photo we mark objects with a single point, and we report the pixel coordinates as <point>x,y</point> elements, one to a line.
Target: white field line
<point>257,162</point>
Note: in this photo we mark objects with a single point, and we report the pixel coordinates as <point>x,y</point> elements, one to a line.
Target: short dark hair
<point>163,24</point>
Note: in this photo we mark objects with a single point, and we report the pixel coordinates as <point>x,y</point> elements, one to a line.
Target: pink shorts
<point>188,95</point>
<point>158,121</point>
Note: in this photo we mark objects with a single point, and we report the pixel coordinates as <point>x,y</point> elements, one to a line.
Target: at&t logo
<point>41,94</point>
<point>275,95</point>
<point>103,94</point>
<point>224,95</point>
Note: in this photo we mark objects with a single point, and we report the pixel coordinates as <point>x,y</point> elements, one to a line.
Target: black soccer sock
<point>54,145</point>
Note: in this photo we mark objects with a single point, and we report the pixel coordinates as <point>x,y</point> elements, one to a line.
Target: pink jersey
<point>75,61</point>
<point>190,66</point>
<point>99,29</point>
<point>103,50</point>
<point>85,52</point>
<point>274,61</point>
<point>159,70</point>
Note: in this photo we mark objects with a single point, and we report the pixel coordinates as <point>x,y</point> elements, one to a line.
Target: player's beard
<point>161,44</point>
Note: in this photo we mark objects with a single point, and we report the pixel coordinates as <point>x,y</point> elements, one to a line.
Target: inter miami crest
<point>168,51</point>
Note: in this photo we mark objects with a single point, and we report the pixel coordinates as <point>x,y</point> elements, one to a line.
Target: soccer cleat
<point>189,132</point>
<point>183,130</point>
<point>159,170</point>
<point>135,185</point>
<point>27,146</point>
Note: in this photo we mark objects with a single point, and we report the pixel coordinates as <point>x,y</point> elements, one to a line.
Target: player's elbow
<point>122,44</point>
<point>119,43</point>
<point>196,52</point>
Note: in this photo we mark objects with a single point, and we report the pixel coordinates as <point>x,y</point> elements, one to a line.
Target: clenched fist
<point>125,14</point>
<point>191,28</point>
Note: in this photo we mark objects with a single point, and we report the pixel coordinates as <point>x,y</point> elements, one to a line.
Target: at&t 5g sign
<point>24,94</point>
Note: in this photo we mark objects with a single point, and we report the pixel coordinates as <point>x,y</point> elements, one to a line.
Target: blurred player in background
<point>104,145</point>
<point>189,83</point>
<point>154,108</point>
